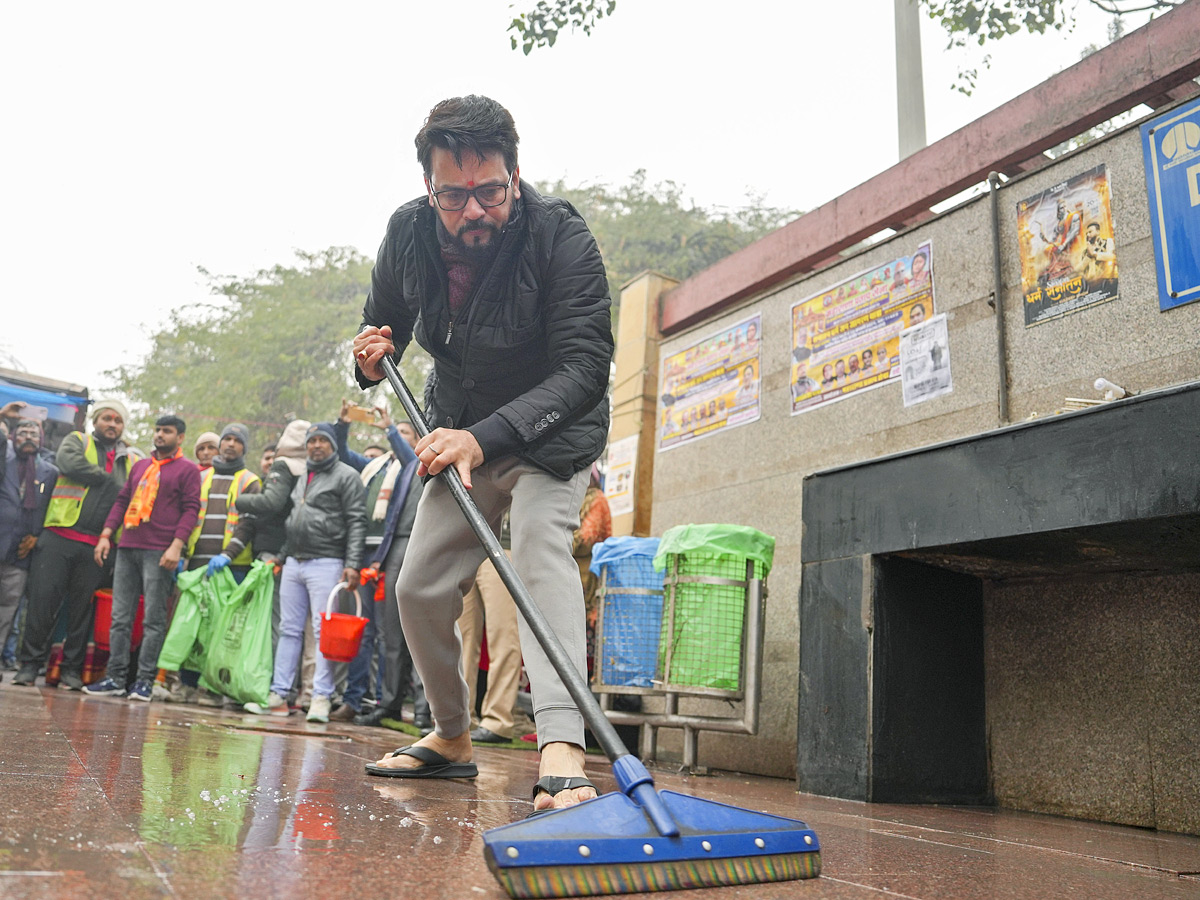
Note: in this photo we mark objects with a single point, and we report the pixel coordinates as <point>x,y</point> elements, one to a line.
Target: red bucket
<point>103,603</point>
<point>341,634</point>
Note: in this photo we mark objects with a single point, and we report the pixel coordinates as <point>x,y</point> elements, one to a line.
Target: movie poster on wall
<point>1068,252</point>
<point>711,386</point>
<point>846,339</point>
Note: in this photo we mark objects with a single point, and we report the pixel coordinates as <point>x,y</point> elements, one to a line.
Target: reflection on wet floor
<point>101,797</point>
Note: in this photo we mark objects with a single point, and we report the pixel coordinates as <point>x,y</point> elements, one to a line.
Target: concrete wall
<point>752,475</point>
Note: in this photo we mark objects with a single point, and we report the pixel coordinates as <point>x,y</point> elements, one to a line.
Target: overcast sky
<point>144,140</point>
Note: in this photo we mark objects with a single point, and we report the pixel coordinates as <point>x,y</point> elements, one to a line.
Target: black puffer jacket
<point>527,372</point>
<point>329,516</point>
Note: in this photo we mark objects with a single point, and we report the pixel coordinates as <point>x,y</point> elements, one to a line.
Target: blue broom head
<point>610,846</point>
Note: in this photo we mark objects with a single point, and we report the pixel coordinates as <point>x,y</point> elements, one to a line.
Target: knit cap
<point>239,431</point>
<point>325,429</point>
<point>209,437</point>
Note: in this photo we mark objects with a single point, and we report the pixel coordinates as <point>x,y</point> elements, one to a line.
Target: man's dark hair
<point>171,421</point>
<point>374,447</point>
<point>270,448</point>
<point>472,124</point>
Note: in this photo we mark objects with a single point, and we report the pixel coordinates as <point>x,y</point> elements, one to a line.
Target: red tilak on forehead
<point>470,184</point>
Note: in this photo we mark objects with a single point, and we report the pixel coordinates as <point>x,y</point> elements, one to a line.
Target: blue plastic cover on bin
<point>621,548</point>
<point>630,622</point>
<point>698,541</point>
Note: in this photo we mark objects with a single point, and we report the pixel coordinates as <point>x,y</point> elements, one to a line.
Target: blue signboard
<point>1171,151</point>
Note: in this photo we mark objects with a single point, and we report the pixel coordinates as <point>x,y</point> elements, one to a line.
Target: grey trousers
<point>12,586</point>
<point>443,556</point>
<point>138,574</point>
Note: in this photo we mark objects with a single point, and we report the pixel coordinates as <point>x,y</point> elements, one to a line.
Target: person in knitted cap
<point>205,448</point>
<point>217,542</point>
<point>92,470</point>
<point>325,533</point>
<point>220,537</point>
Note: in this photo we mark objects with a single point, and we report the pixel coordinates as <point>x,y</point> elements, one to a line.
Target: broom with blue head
<point>640,839</point>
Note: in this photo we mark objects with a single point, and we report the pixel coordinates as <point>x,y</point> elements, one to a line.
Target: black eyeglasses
<point>487,196</point>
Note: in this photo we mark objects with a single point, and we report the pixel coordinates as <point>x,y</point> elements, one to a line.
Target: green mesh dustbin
<point>708,570</point>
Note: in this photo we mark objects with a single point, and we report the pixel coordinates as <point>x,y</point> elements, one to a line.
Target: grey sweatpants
<point>443,555</point>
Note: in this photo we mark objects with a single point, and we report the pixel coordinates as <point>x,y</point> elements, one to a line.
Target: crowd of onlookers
<point>98,513</point>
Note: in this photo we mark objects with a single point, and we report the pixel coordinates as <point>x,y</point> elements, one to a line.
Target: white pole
<point>910,86</point>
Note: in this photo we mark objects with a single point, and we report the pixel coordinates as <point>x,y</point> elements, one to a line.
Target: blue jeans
<point>303,591</point>
<point>138,573</point>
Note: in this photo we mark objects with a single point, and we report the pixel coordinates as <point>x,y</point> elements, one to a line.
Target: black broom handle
<point>601,727</point>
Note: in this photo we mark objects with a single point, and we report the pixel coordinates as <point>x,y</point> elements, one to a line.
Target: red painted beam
<point>1141,66</point>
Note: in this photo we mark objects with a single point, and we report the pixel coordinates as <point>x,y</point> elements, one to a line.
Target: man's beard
<point>27,448</point>
<point>465,242</point>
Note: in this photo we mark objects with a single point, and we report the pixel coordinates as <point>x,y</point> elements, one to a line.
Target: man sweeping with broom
<point>506,290</point>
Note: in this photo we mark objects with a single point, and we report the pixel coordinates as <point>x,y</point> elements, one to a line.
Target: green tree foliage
<point>965,21</point>
<point>540,26</point>
<point>985,21</point>
<point>640,226</point>
<point>268,349</point>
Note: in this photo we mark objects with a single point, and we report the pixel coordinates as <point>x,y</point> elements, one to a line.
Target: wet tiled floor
<point>105,798</point>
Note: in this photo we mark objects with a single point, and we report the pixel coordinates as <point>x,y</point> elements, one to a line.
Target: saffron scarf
<point>142,503</point>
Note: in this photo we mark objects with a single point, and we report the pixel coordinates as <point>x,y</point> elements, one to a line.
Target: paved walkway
<point>106,798</point>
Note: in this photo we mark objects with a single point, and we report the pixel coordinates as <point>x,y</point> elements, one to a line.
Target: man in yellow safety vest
<point>92,469</point>
<point>221,538</point>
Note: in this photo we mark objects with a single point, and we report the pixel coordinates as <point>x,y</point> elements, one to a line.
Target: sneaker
<point>105,687</point>
<point>210,699</point>
<point>69,681</point>
<point>159,692</point>
<point>318,710</point>
<point>26,676</point>
<point>140,691</point>
<point>276,706</point>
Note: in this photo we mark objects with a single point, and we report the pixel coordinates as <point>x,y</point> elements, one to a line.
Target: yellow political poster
<point>846,338</point>
<point>712,385</point>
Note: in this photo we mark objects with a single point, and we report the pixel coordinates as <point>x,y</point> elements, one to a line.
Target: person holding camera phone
<point>393,491</point>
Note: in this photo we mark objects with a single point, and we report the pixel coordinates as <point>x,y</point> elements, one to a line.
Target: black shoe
<point>423,724</point>
<point>483,735</point>
<point>26,676</point>
<point>375,717</point>
<point>69,681</point>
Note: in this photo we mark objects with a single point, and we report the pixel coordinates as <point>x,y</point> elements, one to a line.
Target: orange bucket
<point>341,634</point>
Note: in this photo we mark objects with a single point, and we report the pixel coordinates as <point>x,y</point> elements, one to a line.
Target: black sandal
<point>552,784</point>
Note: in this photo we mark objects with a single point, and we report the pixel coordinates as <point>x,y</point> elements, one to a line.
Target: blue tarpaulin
<point>59,407</point>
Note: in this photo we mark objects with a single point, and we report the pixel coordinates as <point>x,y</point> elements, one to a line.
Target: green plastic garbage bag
<point>700,644</point>
<point>716,541</point>
<point>187,638</point>
<point>239,659</point>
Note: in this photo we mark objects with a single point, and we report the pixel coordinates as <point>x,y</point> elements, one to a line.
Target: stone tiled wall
<point>1093,698</point>
<point>752,475</point>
